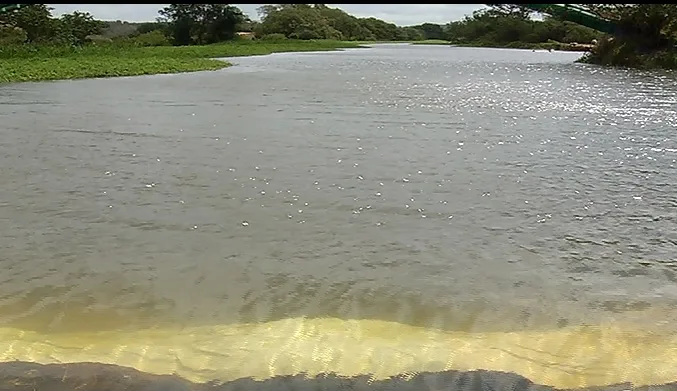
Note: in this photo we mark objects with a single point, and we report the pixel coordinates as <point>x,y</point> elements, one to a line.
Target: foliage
<point>10,35</point>
<point>625,53</point>
<point>39,26</point>
<point>646,32</point>
<point>274,37</point>
<point>653,26</point>
<point>431,31</point>
<point>74,28</point>
<point>36,20</point>
<point>318,21</point>
<point>49,62</point>
<point>196,24</point>
<point>151,38</point>
<point>646,36</point>
<point>498,27</point>
<point>150,27</point>
<point>511,10</point>
<point>118,28</point>
<point>201,23</point>
<point>648,27</point>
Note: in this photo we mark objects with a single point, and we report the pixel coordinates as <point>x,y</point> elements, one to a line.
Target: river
<point>374,211</point>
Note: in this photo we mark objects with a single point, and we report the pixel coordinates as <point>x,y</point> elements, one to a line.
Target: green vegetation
<point>34,45</point>
<point>646,38</point>
<point>499,26</point>
<point>34,24</point>
<point>646,35</point>
<point>32,63</point>
<point>317,21</point>
<point>512,27</point>
<point>626,53</point>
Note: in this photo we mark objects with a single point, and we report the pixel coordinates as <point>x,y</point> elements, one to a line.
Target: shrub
<point>274,37</point>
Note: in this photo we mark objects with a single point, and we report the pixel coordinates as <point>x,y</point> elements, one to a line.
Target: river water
<point>383,211</point>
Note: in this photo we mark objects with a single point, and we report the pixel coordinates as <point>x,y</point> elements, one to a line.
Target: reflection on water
<point>568,357</point>
<point>384,211</point>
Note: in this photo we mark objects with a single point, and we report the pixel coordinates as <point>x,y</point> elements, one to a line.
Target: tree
<point>181,20</point>
<point>220,22</point>
<point>318,21</point>
<point>75,27</point>
<point>646,26</point>
<point>299,21</point>
<point>431,30</point>
<point>515,10</point>
<point>382,31</point>
<point>247,25</point>
<point>506,28</point>
<point>348,25</point>
<point>36,20</point>
<point>150,27</point>
<point>266,10</point>
<point>11,35</point>
<point>201,23</point>
<point>414,34</point>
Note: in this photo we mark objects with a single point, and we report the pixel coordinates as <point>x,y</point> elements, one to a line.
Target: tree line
<point>35,24</point>
<point>500,25</point>
<point>318,21</point>
<point>186,24</point>
<point>199,24</point>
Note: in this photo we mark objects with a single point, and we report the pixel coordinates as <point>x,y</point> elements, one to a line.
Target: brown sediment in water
<point>567,358</point>
<point>26,376</point>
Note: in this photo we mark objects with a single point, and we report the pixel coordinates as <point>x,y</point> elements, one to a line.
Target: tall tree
<point>77,26</point>
<point>181,20</point>
<point>299,21</point>
<point>221,22</point>
<point>201,23</point>
<point>35,19</point>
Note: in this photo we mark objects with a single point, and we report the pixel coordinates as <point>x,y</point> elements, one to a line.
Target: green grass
<point>37,63</point>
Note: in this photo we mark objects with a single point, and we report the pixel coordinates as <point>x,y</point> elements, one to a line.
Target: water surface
<point>384,211</point>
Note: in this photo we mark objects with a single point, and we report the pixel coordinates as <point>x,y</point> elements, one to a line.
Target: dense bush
<point>274,37</point>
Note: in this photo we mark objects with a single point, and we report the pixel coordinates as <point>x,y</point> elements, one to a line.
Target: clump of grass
<point>35,63</point>
<point>59,68</point>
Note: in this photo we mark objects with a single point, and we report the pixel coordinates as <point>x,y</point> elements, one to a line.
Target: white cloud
<point>400,14</point>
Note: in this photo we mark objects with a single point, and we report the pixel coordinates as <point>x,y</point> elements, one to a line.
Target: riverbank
<point>560,46</point>
<point>431,42</point>
<point>625,54</point>
<point>40,63</point>
<point>552,45</point>
<point>423,42</point>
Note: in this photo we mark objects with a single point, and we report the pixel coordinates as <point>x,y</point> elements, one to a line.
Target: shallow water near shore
<point>383,211</point>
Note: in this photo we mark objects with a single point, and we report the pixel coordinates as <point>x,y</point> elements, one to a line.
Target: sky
<point>400,14</point>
